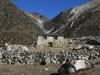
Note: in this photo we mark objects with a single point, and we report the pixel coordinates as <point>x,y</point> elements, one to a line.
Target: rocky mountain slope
<point>15,26</point>
<point>22,27</point>
<point>37,18</point>
<point>40,16</point>
<point>82,20</point>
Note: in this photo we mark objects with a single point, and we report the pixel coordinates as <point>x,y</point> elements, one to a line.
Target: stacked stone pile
<point>17,55</point>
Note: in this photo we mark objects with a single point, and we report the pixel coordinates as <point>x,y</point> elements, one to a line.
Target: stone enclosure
<point>19,55</point>
<point>75,49</point>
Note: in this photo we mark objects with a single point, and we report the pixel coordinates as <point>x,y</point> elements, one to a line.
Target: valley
<point>30,43</point>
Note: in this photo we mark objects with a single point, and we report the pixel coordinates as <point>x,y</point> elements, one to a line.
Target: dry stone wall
<point>18,55</point>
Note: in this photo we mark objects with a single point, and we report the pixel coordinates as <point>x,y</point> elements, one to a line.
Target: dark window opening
<point>45,37</point>
<point>50,44</point>
<point>55,37</point>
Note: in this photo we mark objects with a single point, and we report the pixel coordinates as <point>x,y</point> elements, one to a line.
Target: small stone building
<point>54,41</point>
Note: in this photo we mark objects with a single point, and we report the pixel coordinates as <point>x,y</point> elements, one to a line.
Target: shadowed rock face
<point>73,66</point>
<point>87,23</point>
<point>82,20</point>
<point>58,21</point>
<point>15,26</point>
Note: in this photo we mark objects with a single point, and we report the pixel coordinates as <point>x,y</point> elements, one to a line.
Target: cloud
<point>40,10</point>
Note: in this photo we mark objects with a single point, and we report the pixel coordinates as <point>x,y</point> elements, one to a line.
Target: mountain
<point>55,23</point>
<point>22,27</point>
<point>81,20</point>
<point>40,16</point>
<point>15,26</point>
<point>37,19</point>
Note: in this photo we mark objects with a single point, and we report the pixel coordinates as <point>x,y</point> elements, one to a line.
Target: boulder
<point>93,42</point>
<point>7,47</point>
<point>46,69</point>
<point>24,48</point>
<point>0,55</point>
<point>78,47</point>
<point>84,58</point>
<point>73,66</point>
<point>30,61</point>
<point>53,61</point>
<point>90,47</point>
<point>46,61</point>
<point>9,61</point>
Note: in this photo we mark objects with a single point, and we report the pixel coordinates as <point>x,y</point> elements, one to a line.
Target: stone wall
<point>56,42</point>
<point>18,55</point>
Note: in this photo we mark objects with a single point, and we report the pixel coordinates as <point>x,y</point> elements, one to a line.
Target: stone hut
<point>54,41</point>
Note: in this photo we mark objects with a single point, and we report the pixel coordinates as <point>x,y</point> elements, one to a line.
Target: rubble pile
<point>18,54</point>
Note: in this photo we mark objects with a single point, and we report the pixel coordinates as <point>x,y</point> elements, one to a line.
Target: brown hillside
<point>57,21</point>
<point>15,26</point>
<point>88,23</point>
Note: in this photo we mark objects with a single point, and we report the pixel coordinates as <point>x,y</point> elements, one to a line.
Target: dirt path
<point>28,70</point>
<point>40,70</point>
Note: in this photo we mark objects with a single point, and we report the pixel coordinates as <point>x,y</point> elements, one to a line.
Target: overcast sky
<point>49,8</point>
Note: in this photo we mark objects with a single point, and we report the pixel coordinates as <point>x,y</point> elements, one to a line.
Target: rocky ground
<point>21,58</point>
<point>40,70</point>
